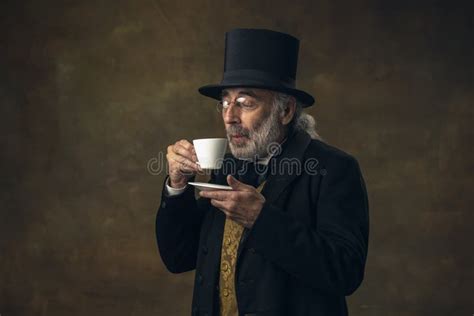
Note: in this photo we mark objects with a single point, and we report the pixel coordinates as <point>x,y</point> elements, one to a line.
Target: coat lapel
<point>286,166</point>
<point>279,178</point>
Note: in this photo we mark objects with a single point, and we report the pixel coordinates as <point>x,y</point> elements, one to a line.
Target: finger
<point>220,205</point>
<point>182,171</point>
<point>185,161</point>
<point>185,152</point>
<point>217,195</point>
<point>182,165</point>
<point>237,185</point>
<point>186,144</point>
<point>226,208</point>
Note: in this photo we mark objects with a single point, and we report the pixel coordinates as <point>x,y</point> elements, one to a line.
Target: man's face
<point>253,124</point>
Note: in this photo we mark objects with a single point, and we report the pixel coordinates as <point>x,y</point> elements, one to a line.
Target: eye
<point>245,103</point>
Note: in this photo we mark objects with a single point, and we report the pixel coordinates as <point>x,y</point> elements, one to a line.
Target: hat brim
<point>214,91</point>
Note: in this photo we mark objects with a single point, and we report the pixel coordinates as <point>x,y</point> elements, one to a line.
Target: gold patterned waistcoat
<point>230,243</point>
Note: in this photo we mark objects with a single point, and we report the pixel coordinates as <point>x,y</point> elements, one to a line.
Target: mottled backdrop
<point>92,91</point>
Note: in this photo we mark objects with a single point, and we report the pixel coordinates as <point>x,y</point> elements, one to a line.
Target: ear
<point>289,111</point>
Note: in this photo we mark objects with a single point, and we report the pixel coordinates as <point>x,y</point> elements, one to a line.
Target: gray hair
<point>301,120</point>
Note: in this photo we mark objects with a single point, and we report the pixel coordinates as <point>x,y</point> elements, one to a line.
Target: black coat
<point>306,250</point>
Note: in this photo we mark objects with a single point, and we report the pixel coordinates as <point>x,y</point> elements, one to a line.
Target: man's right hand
<point>182,163</point>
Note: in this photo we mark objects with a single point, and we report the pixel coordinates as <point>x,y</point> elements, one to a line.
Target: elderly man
<point>289,238</point>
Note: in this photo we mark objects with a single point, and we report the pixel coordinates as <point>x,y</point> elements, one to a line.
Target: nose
<point>231,115</point>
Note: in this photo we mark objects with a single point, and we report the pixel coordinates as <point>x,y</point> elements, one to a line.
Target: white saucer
<point>209,186</point>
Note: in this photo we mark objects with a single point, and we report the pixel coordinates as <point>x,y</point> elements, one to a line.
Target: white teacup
<point>210,152</point>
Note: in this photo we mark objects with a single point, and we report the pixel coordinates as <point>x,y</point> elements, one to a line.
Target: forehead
<point>252,92</point>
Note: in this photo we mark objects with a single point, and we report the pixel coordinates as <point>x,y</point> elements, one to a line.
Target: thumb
<point>236,184</point>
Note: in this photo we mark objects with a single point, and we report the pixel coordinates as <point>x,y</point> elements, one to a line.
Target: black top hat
<point>260,59</point>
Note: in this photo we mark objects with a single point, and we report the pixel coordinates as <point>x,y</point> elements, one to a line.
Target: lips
<point>237,138</point>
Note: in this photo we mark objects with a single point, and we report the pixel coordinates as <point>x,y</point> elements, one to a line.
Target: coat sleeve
<point>329,255</point>
<point>178,226</point>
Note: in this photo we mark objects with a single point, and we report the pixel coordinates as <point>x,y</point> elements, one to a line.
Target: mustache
<point>237,129</point>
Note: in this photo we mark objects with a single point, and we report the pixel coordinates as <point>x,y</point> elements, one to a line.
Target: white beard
<point>259,139</point>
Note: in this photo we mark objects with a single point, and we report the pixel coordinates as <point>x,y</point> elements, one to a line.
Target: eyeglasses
<point>243,103</point>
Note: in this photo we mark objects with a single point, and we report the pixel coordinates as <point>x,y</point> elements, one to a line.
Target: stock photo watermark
<point>288,166</point>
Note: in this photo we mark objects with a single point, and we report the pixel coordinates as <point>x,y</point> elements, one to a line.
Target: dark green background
<point>90,91</point>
